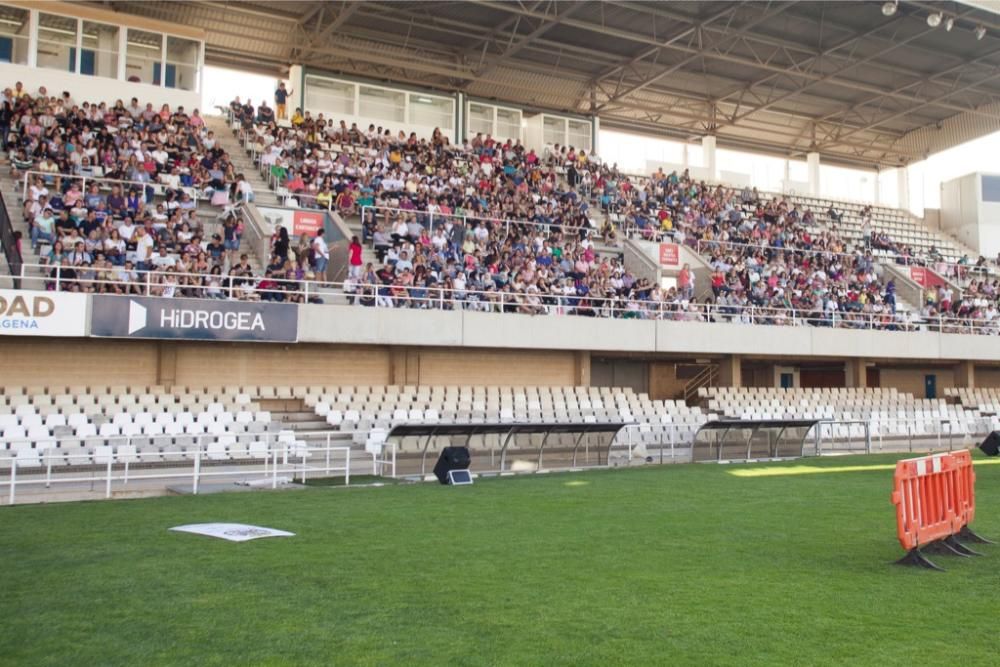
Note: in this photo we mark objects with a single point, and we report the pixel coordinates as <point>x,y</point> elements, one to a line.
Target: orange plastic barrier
<point>935,503</point>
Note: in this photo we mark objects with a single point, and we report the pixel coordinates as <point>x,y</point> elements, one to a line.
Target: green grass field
<point>661,565</point>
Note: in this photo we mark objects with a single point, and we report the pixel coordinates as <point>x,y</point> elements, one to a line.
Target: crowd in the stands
<point>488,224</point>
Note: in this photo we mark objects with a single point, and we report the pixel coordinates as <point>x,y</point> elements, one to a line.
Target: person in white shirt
<point>162,260</point>
<point>321,252</point>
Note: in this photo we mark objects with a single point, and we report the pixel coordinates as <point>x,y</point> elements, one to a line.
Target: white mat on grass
<point>234,532</point>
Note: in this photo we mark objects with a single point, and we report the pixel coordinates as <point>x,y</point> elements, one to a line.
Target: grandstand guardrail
<point>10,244</point>
<point>118,461</point>
<point>147,188</point>
<point>117,280</point>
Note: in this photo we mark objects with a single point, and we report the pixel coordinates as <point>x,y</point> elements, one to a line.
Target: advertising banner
<point>194,319</point>
<point>670,254</point>
<point>307,223</point>
<point>35,313</point>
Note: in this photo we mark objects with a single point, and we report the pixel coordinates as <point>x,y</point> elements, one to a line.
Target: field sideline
<point>686,564</point>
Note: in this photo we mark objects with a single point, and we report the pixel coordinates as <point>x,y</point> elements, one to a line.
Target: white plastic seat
<point>184,418</point>
<point>53,420</point>
<point>103,454</point>
<point>244,417</point>
<point>38,433</point>
<point>153,429</point>
<point>32,420</point>
<point>109,429</point>
<point>164,418</point>
<point>172,428</point>
<point>334,417</point>
<point>131,430</point>
<point>16,432</point>
<point>121,418</point>
<point>214,408</point>
<point>8,420</point>
<point>215,428</point>
<point>205,418</point>
<point>23,410</point>
<point>143,418</point>
<point>77,420</point>
<point>127,454</point>
<point>196,428</point>
<point>262,416</point>
<point>215,450</point>
<point>27,458</point>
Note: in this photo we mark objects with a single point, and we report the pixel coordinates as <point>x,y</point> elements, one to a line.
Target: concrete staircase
<point>263,194</point>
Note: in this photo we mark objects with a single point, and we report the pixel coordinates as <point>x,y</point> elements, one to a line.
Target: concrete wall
<point>97,89</point>
<point>351,324</point>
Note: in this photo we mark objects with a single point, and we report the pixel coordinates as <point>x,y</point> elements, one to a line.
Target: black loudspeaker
<point>452,458</point>
<point>991,445</point>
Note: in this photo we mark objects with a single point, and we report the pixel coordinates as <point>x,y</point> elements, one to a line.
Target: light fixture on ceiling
<point>949,23</point>
<point>934,20</point>
<point>889,8</point>
<point>980,32</point>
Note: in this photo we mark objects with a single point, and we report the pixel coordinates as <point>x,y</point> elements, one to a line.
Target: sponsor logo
<point>193,318</point>
<point>23,312</point>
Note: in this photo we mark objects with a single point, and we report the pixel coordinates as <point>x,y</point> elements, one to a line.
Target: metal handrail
<point>153,282</point>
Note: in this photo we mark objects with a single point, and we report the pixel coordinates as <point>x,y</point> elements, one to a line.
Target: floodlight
<point>934,20</point>
<point>889,8</point>
<point>980,32</point>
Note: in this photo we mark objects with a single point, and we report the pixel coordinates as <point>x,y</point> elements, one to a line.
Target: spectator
<point>280,99</point>
<point>321,254</point>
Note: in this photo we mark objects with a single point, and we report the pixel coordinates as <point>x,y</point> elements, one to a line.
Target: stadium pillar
<point>965,375</point>
<point>903,187</point>
<point>812,163</point>
<point>166,363</point>
<point>708,157</point>
<point>581,368</point>
<point>856,373</point>
<point>731,371</point>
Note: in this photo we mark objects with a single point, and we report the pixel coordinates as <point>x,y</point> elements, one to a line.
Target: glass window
<point>554,130</point>
<point>182,63</point>
<point>579,134</point>
<point>143,58</point>
<point>328,96</point>
<point>57,42</point>
<point>100,50</point>
<point>798,171</point>
<point>432,112</point>
<point>480,119</point>
<point>508,124</point>
<point>13,35</point>
<point>381,105</point>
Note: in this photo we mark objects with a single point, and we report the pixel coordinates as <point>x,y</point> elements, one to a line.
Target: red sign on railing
<point>307,222</point>
<point>670,254</point>
<point>925,277</point>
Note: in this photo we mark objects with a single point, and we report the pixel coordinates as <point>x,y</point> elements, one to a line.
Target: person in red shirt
<point>355,251</point>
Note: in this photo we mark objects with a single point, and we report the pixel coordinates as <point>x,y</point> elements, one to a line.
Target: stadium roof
<point>841,78</point>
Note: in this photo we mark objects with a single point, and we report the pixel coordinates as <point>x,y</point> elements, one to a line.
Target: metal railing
<point>119,281</point>
<point>390,214</point>
<point>122,461</point>
<point>10,243</point>
<point>147,188</point>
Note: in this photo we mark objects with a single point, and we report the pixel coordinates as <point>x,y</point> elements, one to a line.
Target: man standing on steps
<point>321,254</point>
<point>280,100</point>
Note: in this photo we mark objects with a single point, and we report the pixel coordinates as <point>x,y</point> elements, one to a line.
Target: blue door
<point>6,50</point>
<point>930,386</point>
<point>86,61</point>
<point>787,381</point>
<point>171,75</point>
